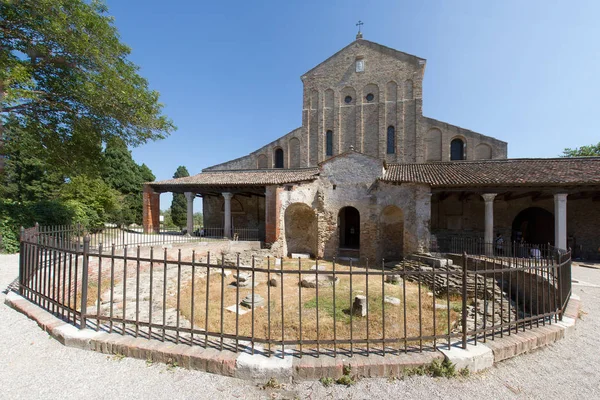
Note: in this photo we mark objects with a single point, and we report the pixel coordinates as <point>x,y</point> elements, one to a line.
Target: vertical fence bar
<point>150,304</point>
<point>485,299</point>
<point>317,299</point>
<point>404,306</point>
<point>164,295</point>
<point>124,290</point>
<point>112,287</point>
<point>252,314</point>
<point>237,301</point>
<point>383,304</point>
<point>99,286</point>
<point>222,296</point>
<point>268,306</point>
<point>192,316</point>
<point>282,313</point>
<point>84,281</point>
<point>464,301</point>
<point>367,304</point>
<point>334,314</point>
<point>351,314</point>
<point>22,262</point>
<point>299,304</point>
<point>447,303</point>
<point>207,302</point>
<point>178,296</point>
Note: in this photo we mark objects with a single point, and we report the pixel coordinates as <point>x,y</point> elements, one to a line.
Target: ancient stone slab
<point>392,300</point>
<point>310,281</point>
<point>300,255</point>
<point>237,309</point>
<point>249,303</point>
<point>359,307</point>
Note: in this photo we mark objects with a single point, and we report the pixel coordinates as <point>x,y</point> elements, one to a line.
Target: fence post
<point>464,301</point>
<point>21,261</point>
<point>84,281</point>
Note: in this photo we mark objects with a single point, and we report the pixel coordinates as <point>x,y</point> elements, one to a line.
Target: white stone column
<point>189,196</point>
<point>227,223</point>
<point>560,220</point>
<point>488,237</point>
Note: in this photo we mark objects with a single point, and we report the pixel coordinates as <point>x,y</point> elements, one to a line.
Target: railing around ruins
<point>69,235</point>
<point>315,306</point>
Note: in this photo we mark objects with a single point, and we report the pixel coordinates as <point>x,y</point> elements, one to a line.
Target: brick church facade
<point>368,175</point>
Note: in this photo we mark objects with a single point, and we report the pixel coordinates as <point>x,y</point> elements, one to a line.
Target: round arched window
<point>370,97</point>
<point>348,99</point>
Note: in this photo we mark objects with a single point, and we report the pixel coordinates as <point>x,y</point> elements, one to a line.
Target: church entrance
<point>349,225</point>
<point>534,225</point>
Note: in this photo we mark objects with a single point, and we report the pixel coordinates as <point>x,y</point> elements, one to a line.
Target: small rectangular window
<point>329,143</point>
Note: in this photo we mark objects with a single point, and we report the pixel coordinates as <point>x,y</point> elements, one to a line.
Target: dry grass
<point>329,317</point>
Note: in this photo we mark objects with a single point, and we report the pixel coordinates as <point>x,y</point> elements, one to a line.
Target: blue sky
<point>228,72</point>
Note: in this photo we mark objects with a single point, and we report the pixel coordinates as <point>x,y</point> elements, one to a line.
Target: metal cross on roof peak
<point>359,24</point>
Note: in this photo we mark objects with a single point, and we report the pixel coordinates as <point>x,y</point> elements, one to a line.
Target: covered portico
<point>232,201</point>
<point>536,201</point>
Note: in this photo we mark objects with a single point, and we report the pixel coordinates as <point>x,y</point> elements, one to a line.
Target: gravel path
<point>35,366</point>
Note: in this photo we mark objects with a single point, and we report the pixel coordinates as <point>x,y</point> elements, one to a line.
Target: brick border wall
<point>259,367</point>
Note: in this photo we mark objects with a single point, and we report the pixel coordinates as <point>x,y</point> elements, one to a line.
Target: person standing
<point>499,244</point>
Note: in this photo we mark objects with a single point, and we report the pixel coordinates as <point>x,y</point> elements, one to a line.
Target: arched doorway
<point>349,225</point>
<point>300,229</point>
<point>535,225</point>
<point>391,224</point>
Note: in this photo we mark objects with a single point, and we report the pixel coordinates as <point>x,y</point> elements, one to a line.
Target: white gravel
<point>32,365</point>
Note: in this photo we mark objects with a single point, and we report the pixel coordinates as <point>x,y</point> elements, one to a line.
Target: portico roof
<point>228,178</point>
<point>508,172</point>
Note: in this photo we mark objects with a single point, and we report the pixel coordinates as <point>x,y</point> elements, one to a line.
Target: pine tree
<point>179,204</point>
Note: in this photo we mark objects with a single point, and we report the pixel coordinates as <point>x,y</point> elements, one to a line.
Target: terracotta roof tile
<point>510,172</point>
<point>244,177</point>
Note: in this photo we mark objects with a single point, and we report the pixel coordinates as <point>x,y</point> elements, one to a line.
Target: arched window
<point>391,140</point>
<point>279,158</point>
<point>457,150</point>
<point>329,143</point>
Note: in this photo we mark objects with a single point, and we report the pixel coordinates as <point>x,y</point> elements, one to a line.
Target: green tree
<point>66,79</point>
<point>583,151</point>
<point>92,200</point>
<point>179,203</point>
<point>122,174</point>
<point>26,176</point>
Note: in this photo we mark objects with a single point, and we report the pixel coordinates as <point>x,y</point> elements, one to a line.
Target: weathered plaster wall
<point>350,180</point>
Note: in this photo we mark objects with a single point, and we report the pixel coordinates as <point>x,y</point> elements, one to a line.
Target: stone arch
<point>294,152</point>
<point>349,228</point>
<point>483,151</point>
<point>348,91</point>
<point>236,205</point>
<point>433,145</point>
<point>262,162</point>
<point>458,148</point>
<point>300,229</point>
<point>391,238</point>
<point>278,158</point>
<point>535,225</point>
<point>329,98</point>
<point>373,89</point>
<point>314,99</point>
<point>391,91</point>
<point>408,90</point>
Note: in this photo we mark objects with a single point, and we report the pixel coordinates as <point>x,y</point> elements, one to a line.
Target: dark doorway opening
<point>349,218</point>
<point>534,225</point>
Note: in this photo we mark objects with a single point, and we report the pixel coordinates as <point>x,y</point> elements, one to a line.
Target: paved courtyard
<point>33,365</point>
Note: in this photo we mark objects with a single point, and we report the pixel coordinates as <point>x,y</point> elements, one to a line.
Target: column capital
<point>227,195</point>
<point>488,197</point>
<point>560,196</point>
<point>190,196</point>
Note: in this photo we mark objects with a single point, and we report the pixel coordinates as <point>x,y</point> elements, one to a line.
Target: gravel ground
<point>35,366</point>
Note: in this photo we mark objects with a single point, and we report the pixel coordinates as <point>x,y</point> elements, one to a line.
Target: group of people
<point>520,250</point>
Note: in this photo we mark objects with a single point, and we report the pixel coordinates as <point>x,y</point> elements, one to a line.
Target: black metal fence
<point>478,246</point>
<point>316,306</point>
